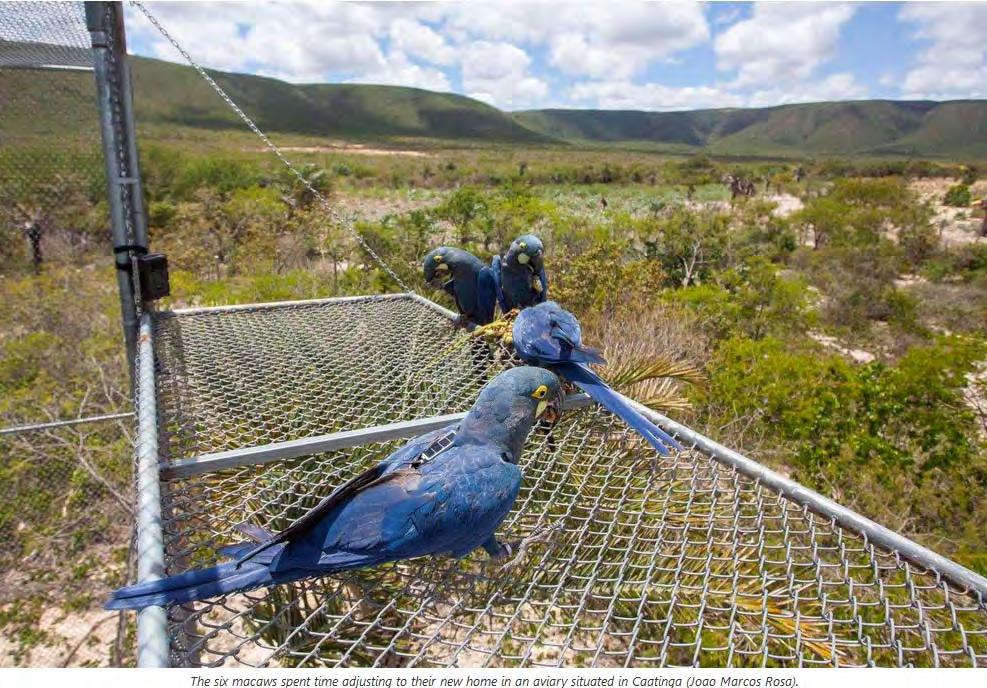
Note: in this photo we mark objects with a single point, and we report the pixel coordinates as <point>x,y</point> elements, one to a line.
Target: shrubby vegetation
<point>650,246</point>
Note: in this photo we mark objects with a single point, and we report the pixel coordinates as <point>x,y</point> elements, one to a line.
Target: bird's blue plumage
<point>519,275</point>
<point>436,495</point>
<point>550,336</point>
<point>466,279</point>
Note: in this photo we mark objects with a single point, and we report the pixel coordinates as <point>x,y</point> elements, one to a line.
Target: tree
<point>300,194</point>
<point>689,245</point>
<point>465,207</point>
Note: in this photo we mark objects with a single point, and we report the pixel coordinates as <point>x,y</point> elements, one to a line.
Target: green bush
<point>958,196</point>
<point>896,441</point>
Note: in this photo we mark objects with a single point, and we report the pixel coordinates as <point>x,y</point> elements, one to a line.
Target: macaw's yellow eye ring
<point>540,393</point>
<point>523,246</point>
<point>438,258</point>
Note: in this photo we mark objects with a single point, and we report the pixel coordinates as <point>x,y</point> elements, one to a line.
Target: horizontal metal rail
<point>369,298</point>
<point>47,67</point>
<point>872,532</point>
<point>346,439</point>
<point>445,312</point>
<point>37,427</point>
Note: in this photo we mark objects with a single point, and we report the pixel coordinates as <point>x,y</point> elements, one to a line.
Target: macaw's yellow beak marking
<point>523,258</point>
<point>541,395</point>
<point>441,267</point>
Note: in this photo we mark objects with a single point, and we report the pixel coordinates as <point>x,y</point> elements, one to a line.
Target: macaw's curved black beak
<point>553,412</point>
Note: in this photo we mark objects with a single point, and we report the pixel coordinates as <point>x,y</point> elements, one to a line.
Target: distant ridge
<point>866,127</point>
<point>171,96</point>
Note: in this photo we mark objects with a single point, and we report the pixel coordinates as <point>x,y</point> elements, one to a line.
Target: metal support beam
<point>152,622</point>
<point>441,310</point>
<point>292,449</point>
<point>128,224</point>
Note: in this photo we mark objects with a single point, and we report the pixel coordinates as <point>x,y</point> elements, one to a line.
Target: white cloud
<point>834,87</point>
<point>399,71</point>
<point>954,65</point>
<point>621,40</point>
<point>417,39</point>
<point>497,73</point>
<point>299,42</point>
<point>782,43</point>
<point>624,95</point>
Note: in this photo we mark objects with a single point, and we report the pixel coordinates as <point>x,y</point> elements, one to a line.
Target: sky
<point>611,55</point>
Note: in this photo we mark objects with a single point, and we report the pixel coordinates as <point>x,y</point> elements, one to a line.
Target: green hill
<point>172,100</point>
<point>166,93</point>
<point>872,127</point>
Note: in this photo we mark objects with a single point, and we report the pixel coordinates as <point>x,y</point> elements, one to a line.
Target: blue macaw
<point>466,279</point>
<point>548,335</point>
<point>445,492</point>
<point>519,277</point>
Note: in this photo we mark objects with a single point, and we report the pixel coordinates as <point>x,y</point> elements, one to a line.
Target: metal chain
<point>346,222</point>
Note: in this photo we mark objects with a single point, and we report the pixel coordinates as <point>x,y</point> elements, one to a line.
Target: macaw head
<point>527,252</point>
<point>445,263</point>
<point>438,266</point>
<point>510,405</point>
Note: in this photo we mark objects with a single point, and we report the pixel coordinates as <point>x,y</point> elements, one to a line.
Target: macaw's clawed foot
<point>519,550</point>
<point>500,330</point>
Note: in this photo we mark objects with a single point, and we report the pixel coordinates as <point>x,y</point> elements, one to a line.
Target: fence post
<point>116,115</point>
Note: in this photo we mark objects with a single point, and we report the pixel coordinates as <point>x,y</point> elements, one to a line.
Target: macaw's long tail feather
<point>575,349</point>
<point>586,354</point>
<point>593,384</point>
<point>191,586</point>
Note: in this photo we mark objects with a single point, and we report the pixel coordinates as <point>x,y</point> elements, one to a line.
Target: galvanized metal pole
<point>105,23</point>
<point>152,622</point>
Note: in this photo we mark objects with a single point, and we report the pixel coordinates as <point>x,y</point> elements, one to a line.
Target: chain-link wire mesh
<point>658,561</point>
<point>44,35</point>
<point>51,170</point>
<point>66,495</point>
<point>348,364</point>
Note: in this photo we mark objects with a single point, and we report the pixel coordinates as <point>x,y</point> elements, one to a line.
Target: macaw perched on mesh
<point>445,492</point>
<point>550,336</point>
<point>519,277</point>
<point>466,279</point>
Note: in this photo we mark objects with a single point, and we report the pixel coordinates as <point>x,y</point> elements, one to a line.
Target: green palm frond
<point>655,381</point>
<point>629,371</point>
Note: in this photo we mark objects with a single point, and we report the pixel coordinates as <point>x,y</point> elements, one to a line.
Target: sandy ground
<point>72,639</point>
<point>856,355</point>
<point>956,226</point>
<point>787,204</point>
<point>975,395</point>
